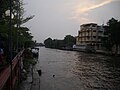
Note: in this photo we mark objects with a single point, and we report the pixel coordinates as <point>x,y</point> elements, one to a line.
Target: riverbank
<point>102,52</point>
<point>32,81</point>
<point>27,74</point>
<point>36,80</point>
<point>26,84</point>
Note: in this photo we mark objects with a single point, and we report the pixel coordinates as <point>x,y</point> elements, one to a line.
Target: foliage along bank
<point>66,43</point>
<point>20,36</point>
<point>111,41</point>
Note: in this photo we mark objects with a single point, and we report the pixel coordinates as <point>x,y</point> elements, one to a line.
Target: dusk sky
<point>57,18</point>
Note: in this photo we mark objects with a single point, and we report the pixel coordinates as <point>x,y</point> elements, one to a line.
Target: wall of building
<point>90,34</point>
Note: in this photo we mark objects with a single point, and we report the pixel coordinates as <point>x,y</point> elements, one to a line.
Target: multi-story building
<point>90,34</point>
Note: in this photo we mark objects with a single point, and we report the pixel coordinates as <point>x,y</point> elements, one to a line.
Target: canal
<point>71,70</point>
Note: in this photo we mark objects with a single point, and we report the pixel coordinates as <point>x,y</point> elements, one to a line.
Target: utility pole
<point>10,41</point>
<point>18,23</point>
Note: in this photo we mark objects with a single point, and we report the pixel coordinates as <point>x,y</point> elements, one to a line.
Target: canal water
<point>71,70</point>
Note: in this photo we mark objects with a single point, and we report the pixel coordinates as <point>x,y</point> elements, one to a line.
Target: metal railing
<point>5,74</point>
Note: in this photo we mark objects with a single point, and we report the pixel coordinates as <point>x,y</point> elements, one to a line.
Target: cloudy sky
<point>57,18</point>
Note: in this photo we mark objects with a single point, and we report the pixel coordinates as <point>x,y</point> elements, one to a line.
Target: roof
<point>88,24</point>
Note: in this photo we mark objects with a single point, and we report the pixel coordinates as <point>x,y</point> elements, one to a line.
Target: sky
<point>58,18</point>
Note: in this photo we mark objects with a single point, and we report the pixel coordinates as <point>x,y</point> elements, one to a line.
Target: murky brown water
<point>78,71</point>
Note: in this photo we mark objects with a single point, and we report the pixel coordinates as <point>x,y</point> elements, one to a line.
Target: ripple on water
<point>79,71</point>
<point>96,72</point>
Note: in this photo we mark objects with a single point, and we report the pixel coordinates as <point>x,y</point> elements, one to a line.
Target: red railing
<point>6,81</point>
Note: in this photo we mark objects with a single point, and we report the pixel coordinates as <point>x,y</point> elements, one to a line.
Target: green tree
<point>19,34</point>
<point>69,40</point>
<point>114,33</point>
<point>58,44</point>
<point>48,43</point>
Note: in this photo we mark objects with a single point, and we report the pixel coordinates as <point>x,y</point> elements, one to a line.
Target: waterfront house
<point>90,34</point>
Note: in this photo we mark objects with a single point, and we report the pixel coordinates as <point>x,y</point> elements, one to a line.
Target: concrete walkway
<point>26,84</point>
<point>32,82</point>
<point>36,81</point>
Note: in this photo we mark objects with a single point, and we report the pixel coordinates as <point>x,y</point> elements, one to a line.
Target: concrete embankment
<point>36,80</point>
<point>32,81</point>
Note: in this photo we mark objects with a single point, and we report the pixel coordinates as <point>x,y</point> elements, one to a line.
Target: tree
<point>57,44</point>
<point>48,43</point>
<point>20,35</point>
<point>69,40</point>
<point>114,33</point>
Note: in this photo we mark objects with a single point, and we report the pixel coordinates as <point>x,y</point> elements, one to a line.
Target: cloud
<point>89,6</point>
<point>81,10</point>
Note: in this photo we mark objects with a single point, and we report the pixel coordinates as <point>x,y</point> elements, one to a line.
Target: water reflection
<point>98,72</point>
<point>78,71</point>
